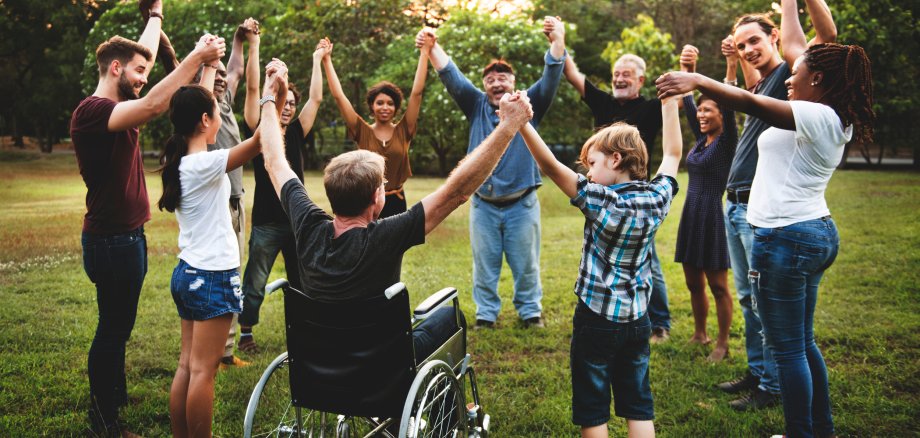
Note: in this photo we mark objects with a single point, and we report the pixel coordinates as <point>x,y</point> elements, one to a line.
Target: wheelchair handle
<point>434,302</point>
<point>275,285</point>
<point>394,290</point>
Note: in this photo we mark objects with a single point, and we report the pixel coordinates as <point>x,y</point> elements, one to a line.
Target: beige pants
<point>238,217</point>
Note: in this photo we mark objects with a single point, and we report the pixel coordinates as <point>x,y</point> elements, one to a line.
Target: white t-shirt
<point>795,166</point>
<point>206,237</point>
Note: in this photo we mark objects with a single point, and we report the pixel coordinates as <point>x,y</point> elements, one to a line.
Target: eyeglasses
<point>290,103</point>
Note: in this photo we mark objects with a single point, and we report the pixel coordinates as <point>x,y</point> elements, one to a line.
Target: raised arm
<point>791,33</point>
<point>562,175</point>
<point>167,54</point>
<point>208,75</point>
<point>543,91</point>
<point>574,76</point>
<point>473,170</point>
<point>245,151</point>
<point>335,88</point>
<point>150,38</point>
<point>133,113</point>
<point>251,108</point>
<point>438,56</point>
<point>822,20</point>
<point>671,141</point>
<point>555,32</point>
<point>775,112</point>
<point>235,68</point>
<point>276,163</point>
<point>418,87</point>
<point>732,60</point>
<point>308,113</point>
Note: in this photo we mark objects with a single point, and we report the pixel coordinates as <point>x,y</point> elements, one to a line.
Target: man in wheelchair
<point>354,256</point>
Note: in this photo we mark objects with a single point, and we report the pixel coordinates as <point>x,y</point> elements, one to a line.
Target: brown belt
<point>398,192</point>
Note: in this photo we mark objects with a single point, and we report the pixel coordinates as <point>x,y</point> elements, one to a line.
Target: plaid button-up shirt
<point>615,277</point>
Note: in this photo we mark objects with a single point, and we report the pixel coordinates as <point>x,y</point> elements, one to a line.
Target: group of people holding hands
<point>803,104</point>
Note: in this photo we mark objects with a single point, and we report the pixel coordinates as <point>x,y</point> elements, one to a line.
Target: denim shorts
<point>201,295</point>
<point>609,356</point>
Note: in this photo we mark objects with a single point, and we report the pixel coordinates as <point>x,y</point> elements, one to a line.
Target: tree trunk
<point>17,133</point>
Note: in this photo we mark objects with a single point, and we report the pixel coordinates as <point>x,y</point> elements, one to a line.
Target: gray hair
<point>636,61</point>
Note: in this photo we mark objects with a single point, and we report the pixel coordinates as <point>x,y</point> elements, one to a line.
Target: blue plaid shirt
<point>615,276</point>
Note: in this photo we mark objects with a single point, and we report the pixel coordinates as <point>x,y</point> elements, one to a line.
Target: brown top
<point>395,151</point>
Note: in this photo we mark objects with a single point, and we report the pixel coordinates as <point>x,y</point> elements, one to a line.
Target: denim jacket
<point>517,169</point>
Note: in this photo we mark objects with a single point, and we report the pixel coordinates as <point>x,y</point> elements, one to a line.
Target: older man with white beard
<point>625,104</point>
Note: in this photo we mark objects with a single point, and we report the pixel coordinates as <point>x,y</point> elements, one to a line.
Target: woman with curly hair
<point>795,239</point>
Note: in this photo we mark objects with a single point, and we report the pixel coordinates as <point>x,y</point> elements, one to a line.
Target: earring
<point>813,84</point>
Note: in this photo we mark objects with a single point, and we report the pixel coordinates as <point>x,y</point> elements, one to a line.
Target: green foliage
<point>648,42</point>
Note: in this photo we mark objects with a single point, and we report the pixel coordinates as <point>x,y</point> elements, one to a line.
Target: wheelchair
<point>351,371</point>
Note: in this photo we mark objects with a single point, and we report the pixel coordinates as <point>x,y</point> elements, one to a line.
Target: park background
<point>866,322</point>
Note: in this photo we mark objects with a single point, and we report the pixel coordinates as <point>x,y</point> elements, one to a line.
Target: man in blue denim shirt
<point>505,212</point>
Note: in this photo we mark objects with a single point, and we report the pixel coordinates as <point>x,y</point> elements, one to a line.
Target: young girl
<point>206,282</point>
<point>384,136</point>
<point>611,327</point>
<point>795,239</point>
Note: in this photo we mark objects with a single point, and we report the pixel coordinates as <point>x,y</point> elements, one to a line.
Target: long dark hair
<point>185,109</point>
<point>848,81</point>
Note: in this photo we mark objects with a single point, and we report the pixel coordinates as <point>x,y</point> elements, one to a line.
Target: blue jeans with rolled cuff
<point>787,264</point>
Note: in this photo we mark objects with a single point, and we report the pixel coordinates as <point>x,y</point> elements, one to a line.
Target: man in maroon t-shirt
<point>104,128</point>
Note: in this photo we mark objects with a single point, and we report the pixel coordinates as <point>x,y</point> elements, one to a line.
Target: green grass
<point>866,321</point>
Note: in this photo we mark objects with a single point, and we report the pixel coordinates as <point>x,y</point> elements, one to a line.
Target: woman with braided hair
<point>795,239</point>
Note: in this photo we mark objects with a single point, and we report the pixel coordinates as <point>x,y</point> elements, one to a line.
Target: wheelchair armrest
<point>275,285</point>
<point>435,302</point>
<point>394,290</point>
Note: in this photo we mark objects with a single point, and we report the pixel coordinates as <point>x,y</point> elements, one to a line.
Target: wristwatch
<point>733,82</point>
<point>268,98</point>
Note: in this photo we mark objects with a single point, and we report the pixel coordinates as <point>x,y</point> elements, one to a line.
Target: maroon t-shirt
<point>111,166</point>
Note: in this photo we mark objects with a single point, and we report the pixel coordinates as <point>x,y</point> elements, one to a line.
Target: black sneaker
<point>535,322</point>
<point>741,384</point>
<point>483,324</point>
<point>756,399</point>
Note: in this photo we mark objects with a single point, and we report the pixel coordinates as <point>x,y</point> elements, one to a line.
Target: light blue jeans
<point>512,231</point>
<point>740,242</point>
<point>786,266</point>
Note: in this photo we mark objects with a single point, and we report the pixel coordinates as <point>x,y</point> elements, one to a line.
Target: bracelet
<point>268,98</point>
<point>156,14</point>
<point>733,82</point>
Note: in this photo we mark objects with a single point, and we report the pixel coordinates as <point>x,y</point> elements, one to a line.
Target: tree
<point>648,42</point>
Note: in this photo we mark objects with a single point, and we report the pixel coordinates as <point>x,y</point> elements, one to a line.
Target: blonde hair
<point>351,180</point>
<point>623,138</point>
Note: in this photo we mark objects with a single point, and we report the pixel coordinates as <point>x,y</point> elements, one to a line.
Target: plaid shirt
<point>615,276</point>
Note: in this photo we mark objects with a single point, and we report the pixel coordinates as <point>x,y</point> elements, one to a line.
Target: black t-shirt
<point>640,112</point>
<point>266,208</point>
<point>360,262</point>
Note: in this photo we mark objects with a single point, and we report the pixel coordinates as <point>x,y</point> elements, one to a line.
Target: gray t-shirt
<point>741,175</point>
<point>357,264</point>
<point>227,137</point>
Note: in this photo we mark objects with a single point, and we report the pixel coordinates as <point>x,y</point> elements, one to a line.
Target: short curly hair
<point>384,87</point>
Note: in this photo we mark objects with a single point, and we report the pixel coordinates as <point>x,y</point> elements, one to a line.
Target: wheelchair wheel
<point>434,406</point>
<point>271,414</point>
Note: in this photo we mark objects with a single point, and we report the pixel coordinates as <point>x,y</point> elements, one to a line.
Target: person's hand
<point>424,37</point>
<point>323,49</point>
<point>676,83</point>
<point>275,78</point>
<point>553,28</point>
<point>515,109</point>
<point>148,6</point>
<point>688,57</point>
<point>210,48</point>
<point>729,51</point>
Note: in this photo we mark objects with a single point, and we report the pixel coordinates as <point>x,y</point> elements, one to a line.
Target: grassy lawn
<point>867,320</point>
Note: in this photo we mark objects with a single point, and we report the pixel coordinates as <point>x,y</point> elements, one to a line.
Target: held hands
<point>688,57</point>
<point>249,30</point>
<point>515,109</point>
<point>676,84</point>
<point>323,49</point>
<point>276,83</point>
<point>425,39</point>
<point>553,29</point>
<point>210,48</point>
<point>728,49</point>
<point>148,6</point>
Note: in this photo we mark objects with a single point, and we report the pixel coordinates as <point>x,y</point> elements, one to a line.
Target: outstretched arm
<point>671,141</point>
<point>308,113</point>
<point>276,163</point>
<point>418,87</point>
<point>514,113</point>
<point>575,77</point>
<point>133,113</point>
<point>235,67</point>
<point>792,35</point>
<point>151,36</point>
<point>335,87</point>
<point>564,177</point>
<point>251,108</point>
<point>438,56</point>
<point>822,20</point>
<point>775,112</point>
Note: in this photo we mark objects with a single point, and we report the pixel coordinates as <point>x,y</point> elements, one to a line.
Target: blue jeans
<point>117,264</point>
<point>658,310</point>
<point>740,237</point>
<point>512,231</point>
<point>201,295</point>
<point>786,266</point>
<point>608,356</point>
<point>434,331</point>
<point>265,241</point>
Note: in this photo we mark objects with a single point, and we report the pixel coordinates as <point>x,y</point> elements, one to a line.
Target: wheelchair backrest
<point>352,357</point>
